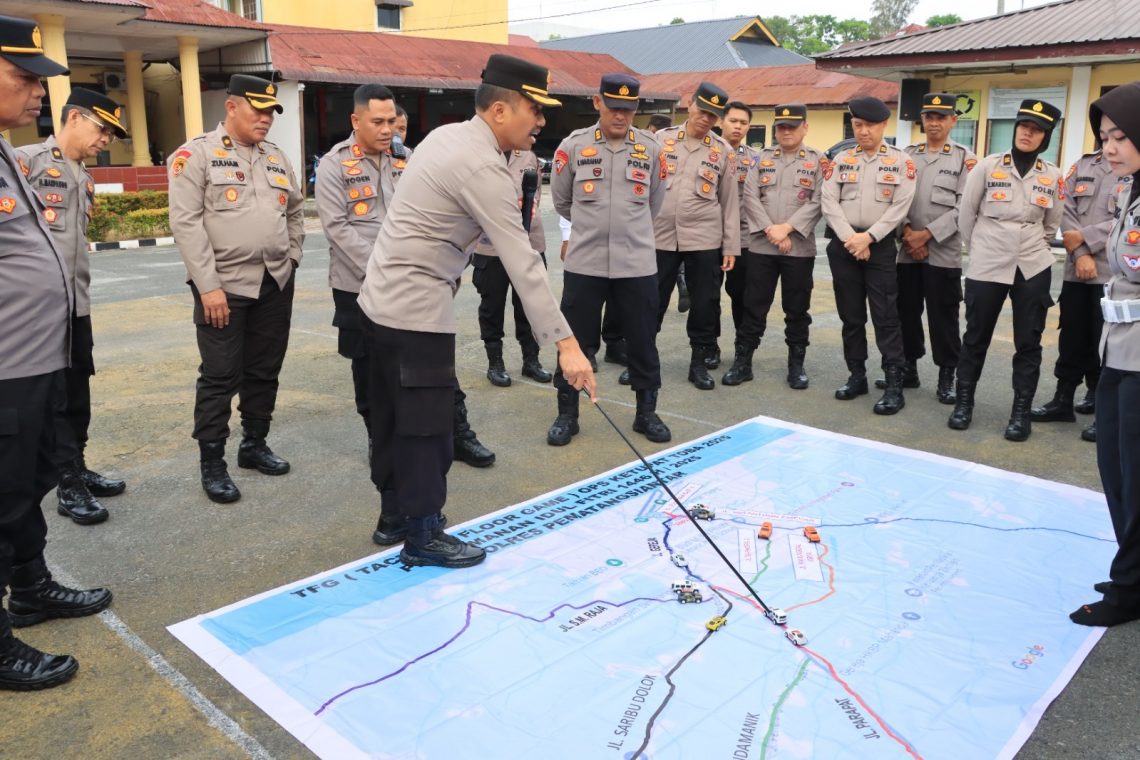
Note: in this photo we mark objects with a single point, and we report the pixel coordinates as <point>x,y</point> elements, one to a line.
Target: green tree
<point>554,37</point>
<point>944,19</point>
<point>888,16</point>
<point>676,20</point>
<point>811,35</point>
<point>853,30</point>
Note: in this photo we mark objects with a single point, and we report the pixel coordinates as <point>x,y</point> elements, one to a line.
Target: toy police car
<point>796,636</point>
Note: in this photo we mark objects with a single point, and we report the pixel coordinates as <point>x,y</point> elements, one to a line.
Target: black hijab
<point>1122,105</point>
<point>1023,160</point>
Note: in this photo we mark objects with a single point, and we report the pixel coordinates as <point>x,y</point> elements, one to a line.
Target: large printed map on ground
<point>934,610</point>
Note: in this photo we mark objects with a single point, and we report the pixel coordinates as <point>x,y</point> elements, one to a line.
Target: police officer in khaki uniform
<point>457,188</point>
<point>1010,210</point>
<point>56,171</point>
<point>782,208</point>
<point>865,198</point>
<point>734,129</point>
<point>36,304</point>
<point>609,181</point>
<point>1092,190</point>
<point>930,250</point>
<point>490,279</point>
<point>699,222</point>
<point>358,179</point>
<point>236,212</point>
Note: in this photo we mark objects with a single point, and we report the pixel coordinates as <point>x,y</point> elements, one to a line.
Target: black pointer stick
<point>673,496</point>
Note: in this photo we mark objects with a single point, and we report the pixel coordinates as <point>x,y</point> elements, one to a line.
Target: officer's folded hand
<point>727,263</point>
<point>576,367</point>
<point>1072,240</point>
<point>1085,266</point>
<point>216,308</point>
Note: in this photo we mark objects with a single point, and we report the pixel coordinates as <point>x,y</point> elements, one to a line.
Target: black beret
<point>526,78</point>
<point>261,93</point>
<point>711,98</point>
<point>1044,115</point>
<point>620,91</point>
<point>100,105</point>
<point>791,114</point>
<point>869,109</point>
<point>22,46</point>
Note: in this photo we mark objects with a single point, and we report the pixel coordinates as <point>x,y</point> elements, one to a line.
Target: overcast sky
<point>589,16</point>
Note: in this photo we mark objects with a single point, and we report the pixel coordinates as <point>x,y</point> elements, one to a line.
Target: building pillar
<point>136,108</point>
<point>55,48</point>
<point>1076,117</point>
<point>191,86</point>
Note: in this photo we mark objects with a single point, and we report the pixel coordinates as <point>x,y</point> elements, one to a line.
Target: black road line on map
<point>696,523</point>
<point>669,679</point>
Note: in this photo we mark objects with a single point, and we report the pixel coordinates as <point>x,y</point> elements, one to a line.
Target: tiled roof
<point>1068,22</point>
<point>325,55</point>
<point>697,46</point>
<point>195,13</point>
<point>769,87</point>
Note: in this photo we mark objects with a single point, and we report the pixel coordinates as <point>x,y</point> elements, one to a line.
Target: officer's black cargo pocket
<point>10,454</point>
<point>427,399</point>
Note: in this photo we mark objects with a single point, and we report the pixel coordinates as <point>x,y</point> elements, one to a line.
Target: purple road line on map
<point>467,624</point>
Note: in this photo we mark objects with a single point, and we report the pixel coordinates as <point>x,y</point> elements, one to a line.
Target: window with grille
<point>387,16</point>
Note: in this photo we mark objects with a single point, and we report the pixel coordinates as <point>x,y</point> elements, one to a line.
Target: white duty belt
<point>1120,311</point>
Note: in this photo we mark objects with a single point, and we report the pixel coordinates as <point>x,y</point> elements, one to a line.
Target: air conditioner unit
<point>114,80</point>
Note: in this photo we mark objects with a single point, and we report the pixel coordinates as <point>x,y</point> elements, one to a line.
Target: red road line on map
<point>830,583</point>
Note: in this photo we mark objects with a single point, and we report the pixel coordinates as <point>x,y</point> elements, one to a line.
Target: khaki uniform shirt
<point>1007,221</point>
<point>785,188</point>
<point>457,186</point>
<point>747,159</point>
<point>36,299</point>
<point>68,202</point>
<point>610,194</point>
<point>234,218</point>
<point>941,181</point>
<point>701,210</point>
<point>1120,342</point>
<point>1092,189</point>
<point>518,162</point>
<point>353,192</point>
<point>868,192</point>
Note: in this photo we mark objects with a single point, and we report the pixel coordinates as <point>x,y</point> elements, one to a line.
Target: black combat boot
<point>616,353</point>
<point>856,384</point>
<point>532,368</point>
<point>797,376</point>
<point>496,370</point>
<point>96,483</point>
<point>623,378</point>
<point>741,369</point>
<point>565,425</point>
<point>647,422</point>
<point>1089,433</point>
<point>25,668</point>
<point>254,453</point>
<point>892,401</point>
<point>76,500</point>
<point>468,449</point>
<point>1087,405</point>
<point>1019,426</point>
<point>1060,409</point>
<point>910,377</point>
<point>712,357</point>
<point>963,405</point>
<point>216,480</point>
<point>945,390</point>
<point>427,544</point>
<point>392,529</point>
<point>698,369</point>
<point>36,597</point>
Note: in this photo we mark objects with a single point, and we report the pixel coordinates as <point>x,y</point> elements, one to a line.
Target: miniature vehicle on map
<point>796,636</point>
<point>777,616</point>
<point>716,623</point>
<point>680,586</point>
<point>679,559</point>
<point>765,530</point>
<point>689,595</point>
<point>701,512</point>
<point>811,534</point>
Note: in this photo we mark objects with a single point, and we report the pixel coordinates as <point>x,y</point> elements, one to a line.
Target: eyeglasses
<point>106,129</point>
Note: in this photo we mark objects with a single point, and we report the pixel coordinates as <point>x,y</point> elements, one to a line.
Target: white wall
<point>286,130</point>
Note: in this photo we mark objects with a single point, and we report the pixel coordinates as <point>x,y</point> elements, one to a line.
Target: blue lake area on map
<point>933,608</point>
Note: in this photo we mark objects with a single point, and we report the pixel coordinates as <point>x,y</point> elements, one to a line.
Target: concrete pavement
<point>168,553</point>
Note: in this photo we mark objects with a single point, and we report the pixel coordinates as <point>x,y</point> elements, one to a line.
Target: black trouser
<point>411,393</point>
<point>858,282</point>
<point>794,274</point>
<point>735,283</point>
<point>75,419</point>
<point>242,358</point>
<point>611,325</point>
<point>347,318</point>
<point>635,301</point>
<point>29,409</point>
<point>491,281</point>
<point>702,273</point>
<point>939,291</point>
<point>1031,300</point>
<point>1118,458</point>
<point>1081,322</point>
